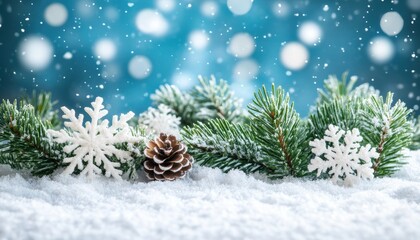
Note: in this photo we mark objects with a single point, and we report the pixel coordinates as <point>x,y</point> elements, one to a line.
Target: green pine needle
<point>211,99</point>
<point>23,140</point>
<point>225,145</point>
<point>279,131</point>
<point>385,126</point>
<point>415,140</point>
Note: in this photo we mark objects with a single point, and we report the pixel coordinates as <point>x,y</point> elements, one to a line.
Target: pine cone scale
<point>166,159</point>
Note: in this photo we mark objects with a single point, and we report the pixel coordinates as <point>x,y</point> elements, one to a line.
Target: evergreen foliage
<point>180,102</point>
<point>273,142</point>
<point>222,144</point>
<point>415,141</point>
<point>23,138</point>
<point>44,107</point>
<point>381,124</point>
<point>385,126</point>
<point>334,88</point>
<point>209,100</point>
<point>278,131</point>
<point>271,138</point>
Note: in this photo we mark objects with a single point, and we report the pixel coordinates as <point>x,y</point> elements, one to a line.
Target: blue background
<point>74,82</point>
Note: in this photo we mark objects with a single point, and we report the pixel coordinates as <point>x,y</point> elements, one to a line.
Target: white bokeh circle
<point>310,33</point>
<point>152,22</point>
<point>55,14</point>
<point>209,8</point>
<point>245,70</point>
<point>241,45</point>
<point>105,49</point>
<point>294,56</point>
<point>198,39</point>
<point>140,67</point>
<point>381,50</point>
<point>392,23</point>
<point>239,7</point>
<point>35,53</point>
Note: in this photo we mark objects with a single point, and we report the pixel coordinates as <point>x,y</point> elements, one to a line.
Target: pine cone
<point>166,159</point>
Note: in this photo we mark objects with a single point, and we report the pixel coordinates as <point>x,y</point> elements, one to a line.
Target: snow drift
<point>210,205</point>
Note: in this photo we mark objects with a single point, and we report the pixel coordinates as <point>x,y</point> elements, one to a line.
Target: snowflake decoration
<point>348,161</point>
<point>91,146</point>
<point>160,120</point>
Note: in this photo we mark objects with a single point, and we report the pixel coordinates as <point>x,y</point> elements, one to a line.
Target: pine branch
<point>210,100</point>
<point>341,111</point>
<point>227,146</point>
<point>23,140</point>
<point>131,167</point>
<point>217,101</point>
<point>280,132</point>
<point>334,88</point>
<point>44,107</point>
<point>386,127</point>
<point>181,103</point>
<point>415,140</point>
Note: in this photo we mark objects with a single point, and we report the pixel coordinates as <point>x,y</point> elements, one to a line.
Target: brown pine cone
<point>166,158</point>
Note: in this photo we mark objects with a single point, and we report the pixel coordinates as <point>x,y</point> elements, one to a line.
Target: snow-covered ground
<point>210,205</point>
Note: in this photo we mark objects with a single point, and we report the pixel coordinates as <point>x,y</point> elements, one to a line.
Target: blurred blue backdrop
<point>123,50</point>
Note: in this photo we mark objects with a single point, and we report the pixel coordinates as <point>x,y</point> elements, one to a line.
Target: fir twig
<point>23,140</point>
<point>210,100</point>
<point>385,126</point>
<point>415,140</point>
<point>181,103</point>
<point>227,146</point>
<point>279,131</point>
<point>215,100</point>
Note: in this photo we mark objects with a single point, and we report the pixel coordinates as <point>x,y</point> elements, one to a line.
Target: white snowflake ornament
<point>345,162</point>
<point>92,146</point>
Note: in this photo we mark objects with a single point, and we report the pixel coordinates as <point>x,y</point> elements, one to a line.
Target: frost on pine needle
<point>345,161</point>
<point>95,146</point>
<point>160,120</point>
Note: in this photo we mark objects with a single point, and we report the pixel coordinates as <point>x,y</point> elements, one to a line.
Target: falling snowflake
<point>348,161</point>
<point>92,146</point>
<point>160,120</point>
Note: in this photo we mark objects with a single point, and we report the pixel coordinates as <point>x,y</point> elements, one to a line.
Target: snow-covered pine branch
<point>23,139</point>
<point>217,101</point>
<point>415,140</point>
<point>279,131</point>
<point>211,99</point>
<point>180,102</point>
<point>160,120</point>
<point>386,127</point>
<point>335,88</point>
<point>227,146</point>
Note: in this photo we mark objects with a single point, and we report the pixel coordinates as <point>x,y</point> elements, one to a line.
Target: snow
<point>209,205</point>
